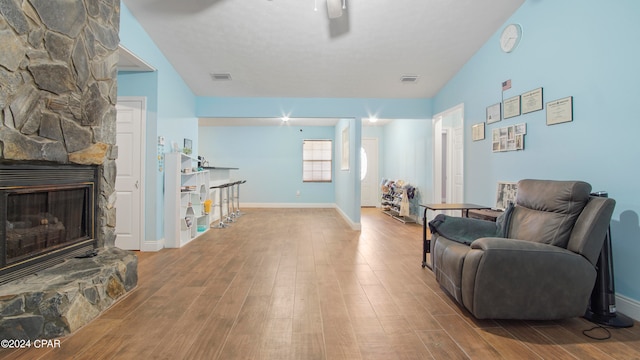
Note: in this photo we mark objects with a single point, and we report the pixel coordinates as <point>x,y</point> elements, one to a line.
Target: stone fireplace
<point>58,89</point>
<point>47,214</point>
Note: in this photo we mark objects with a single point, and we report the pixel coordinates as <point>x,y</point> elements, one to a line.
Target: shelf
<point>184,198</point>
<point>396,215</point>
<point>391,202</point>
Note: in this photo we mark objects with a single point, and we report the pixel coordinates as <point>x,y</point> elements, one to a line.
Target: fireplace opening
<point>47,214</point>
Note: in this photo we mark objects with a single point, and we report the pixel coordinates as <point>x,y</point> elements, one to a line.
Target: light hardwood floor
<point>300,284</point>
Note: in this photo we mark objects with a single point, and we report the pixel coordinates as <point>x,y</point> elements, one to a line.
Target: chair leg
<point>221,224</point>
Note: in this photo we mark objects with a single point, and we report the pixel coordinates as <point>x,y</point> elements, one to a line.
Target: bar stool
<point>233,202</point>
<point>220,224</point>
<point>237,197</point>
<point>230,214</point>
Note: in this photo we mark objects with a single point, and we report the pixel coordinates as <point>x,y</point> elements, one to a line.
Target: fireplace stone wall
<point>58,90</point>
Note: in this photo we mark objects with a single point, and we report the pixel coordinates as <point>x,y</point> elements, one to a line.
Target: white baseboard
<point>353,225</point>
<point>288,205</point>
<point>628,306</point>
<point>152,245</point>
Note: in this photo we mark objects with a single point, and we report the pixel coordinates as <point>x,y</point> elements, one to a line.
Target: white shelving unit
<point>185,192</point>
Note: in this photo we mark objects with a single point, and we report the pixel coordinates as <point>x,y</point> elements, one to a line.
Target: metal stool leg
<point>238,212</point>
<point>229,218</point>
<point>236,198</point>
<point>221,223</point>
<point>232,202</point>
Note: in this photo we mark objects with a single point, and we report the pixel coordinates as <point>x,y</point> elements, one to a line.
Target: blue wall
<point>346,186</point>
<point>568,49</point>
<point>407,155</point>
<point>170,113</point>
<point>316,107</point>
<point>581,50</point>
<point>270,159</point>
<point>348,180</point>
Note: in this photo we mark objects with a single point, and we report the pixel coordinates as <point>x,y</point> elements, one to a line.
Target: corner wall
<point>170,113</point>
<point>568,50</point>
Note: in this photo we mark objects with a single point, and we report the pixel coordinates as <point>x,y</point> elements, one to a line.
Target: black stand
<point>602,306</point>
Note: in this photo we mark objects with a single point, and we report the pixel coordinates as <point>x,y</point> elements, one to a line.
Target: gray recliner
<point>537,262</point>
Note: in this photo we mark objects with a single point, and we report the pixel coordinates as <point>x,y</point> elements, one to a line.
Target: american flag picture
<point>506,85</point>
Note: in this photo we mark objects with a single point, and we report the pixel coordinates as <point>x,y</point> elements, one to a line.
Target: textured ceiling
<point>283,48</point>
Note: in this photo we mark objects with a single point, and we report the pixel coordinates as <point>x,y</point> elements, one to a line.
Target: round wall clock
<point>510,37</point>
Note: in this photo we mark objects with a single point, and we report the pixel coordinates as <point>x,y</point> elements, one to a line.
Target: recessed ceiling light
<point>220,76</point>
<point>409,79</point>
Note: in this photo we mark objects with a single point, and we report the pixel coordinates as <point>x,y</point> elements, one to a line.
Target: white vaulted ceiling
<point>283,48</point>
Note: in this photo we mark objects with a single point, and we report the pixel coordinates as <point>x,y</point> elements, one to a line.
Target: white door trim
<point>142,101</point>
<point>443,122</point>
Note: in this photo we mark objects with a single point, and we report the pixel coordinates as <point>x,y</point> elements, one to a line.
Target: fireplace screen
<point>44,219</point>
<point>47,215</point>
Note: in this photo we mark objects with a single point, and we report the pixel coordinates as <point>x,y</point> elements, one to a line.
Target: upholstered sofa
<point>536,262</point>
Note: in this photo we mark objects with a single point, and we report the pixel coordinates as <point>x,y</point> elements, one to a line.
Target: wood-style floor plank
<point>300,284</point>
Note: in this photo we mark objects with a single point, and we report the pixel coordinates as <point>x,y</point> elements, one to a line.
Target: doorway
<point>369,187</point>
<point>130,124</point>
<point>448,153</point>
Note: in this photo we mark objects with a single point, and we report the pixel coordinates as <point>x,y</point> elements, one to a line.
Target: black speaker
<point>602,305</point>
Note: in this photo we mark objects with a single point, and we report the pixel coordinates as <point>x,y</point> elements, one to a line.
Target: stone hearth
<point>61,299</point>
<point>58,90</point>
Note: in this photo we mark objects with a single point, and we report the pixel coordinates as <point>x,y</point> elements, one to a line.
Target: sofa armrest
<point>508,244</point>
<point>461,229</point>
<point>517,276</point>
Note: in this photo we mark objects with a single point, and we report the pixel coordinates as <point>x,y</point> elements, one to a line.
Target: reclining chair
<point>536,262</point>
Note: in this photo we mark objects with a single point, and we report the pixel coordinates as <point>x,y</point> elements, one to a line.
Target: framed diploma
<point>560,111</point>
<point>512,107</point>
<point>493,113</point>
<point>477,131</point>
<point>532,101</point>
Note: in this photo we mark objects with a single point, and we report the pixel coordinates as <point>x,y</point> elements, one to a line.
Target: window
<point>363,163</point>
<point>316,161</point>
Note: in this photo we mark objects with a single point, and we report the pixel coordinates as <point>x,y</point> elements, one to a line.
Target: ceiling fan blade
<point>334,8</point>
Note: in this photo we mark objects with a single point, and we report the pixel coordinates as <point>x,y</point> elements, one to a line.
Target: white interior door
<point>439,162</point>
<point>448,159</point>
<point>457,168</point>
<point>129,180</point>
<point>369,182</point>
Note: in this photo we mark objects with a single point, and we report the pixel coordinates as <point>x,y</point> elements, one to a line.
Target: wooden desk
<point>485,214</point>
<point>463,207</point>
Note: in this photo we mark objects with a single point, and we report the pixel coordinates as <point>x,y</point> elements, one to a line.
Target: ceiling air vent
<point>409,79</point>
<point>221,76</point>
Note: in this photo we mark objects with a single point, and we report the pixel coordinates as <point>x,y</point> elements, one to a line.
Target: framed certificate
<point>512,107</point>
<point>532,101</point>
<point>493,113</point>
<point>560,111</point>
<point>477,131</point>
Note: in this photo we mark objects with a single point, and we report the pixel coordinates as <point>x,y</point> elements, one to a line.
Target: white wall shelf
<point>185,191</point>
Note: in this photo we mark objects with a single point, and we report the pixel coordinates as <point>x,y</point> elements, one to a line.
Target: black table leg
<point>426,244</point>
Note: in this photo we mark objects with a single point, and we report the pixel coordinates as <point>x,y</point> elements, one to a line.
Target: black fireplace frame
<point>24,175</point>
